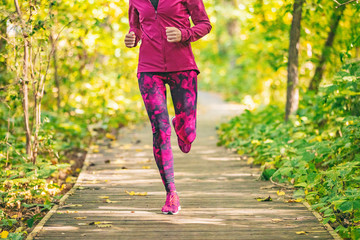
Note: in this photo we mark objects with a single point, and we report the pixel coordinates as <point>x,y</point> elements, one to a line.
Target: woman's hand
<point>173,34</point>
<point>130,39</point>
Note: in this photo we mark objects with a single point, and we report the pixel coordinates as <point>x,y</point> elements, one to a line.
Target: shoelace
<point>172,199</point>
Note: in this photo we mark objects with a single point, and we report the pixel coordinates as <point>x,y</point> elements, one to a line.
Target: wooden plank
<point>217,192</point>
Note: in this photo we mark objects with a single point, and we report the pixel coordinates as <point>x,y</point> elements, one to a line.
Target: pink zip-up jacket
<point>156,53</point>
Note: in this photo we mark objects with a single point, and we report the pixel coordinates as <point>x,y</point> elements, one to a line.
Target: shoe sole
<point>171,213</point>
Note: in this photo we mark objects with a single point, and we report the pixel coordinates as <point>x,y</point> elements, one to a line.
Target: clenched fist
<point>173,34</point>
<point>130,39</point>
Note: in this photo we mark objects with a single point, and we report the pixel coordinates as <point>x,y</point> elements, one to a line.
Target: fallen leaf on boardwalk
<point>71,212</point>
<point>109,201</point>
<point>124,168</point>
<point>293,200</point>
<point>107,161</point>
<point>264,199</point>
<point>14,216</point>
<point>138,150</point>
<point>301,233</point>
<point>276,220</point>
<point>83,235</point>
<point>4,234</point>
<point>110,136</point>
<point>73,205</point>
<point>127,146</point>
<point>95,150</point>
<point>81,188</point>
<point>132,211</point>
<point>146,167</point>
<point>80,217</point>
<point>145,161</point>
<point>104,225</point>
<point>99,223</point>
<point>103,197</point>
<point>132,193</point>
<point>280,193</point>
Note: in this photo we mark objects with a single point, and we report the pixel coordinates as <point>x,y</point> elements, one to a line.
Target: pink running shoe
<point>172,204</point>
<point>185,148</point>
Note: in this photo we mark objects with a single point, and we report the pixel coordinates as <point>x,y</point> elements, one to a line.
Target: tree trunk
<point>24,83</point>
<point>56,76</point>
<point>320,68</point>
<point>292,97</point>
<point>25,100</point>
<point>3,45</point>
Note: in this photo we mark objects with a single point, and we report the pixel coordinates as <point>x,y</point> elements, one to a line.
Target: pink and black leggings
<point>183,88</point>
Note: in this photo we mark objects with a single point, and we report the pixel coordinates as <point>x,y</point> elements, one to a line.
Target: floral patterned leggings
<point>183,88</point>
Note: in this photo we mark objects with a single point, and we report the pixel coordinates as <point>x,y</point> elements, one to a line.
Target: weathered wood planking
<point>217,191</point>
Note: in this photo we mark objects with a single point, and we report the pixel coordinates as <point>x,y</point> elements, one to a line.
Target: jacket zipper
<point>163,47</point>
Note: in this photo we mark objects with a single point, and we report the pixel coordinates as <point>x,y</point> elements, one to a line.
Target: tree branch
<point>342,4</point>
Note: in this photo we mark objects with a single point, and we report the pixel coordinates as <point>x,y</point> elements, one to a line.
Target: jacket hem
<point>170,70</point>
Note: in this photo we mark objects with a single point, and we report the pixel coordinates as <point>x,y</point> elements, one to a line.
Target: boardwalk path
<point>217,191</point>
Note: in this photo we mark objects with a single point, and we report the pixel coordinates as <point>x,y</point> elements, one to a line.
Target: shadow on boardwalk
<point>217,191</point>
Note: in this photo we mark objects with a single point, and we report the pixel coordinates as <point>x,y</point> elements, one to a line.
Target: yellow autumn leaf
<point>4,234</point>
<point>110,136</point>
<point>276,220</point>
<point>75,205</point>
<point>127,146</point>
<point>301,233</point>
<point>280,193</point>
<point>97,223</point>
<point>95,150</point>
<point>250,160</point>
<point>80,217</point>
<point>146,167</point>
<point>293,200</point>
<point>132,193</point>
<point>69,179</point>
<point>267,199</point>
<point>109,201</point>
<point>104,225</point>
<point>71,211</point>
<point>103,197</point>
<point>14,216</point>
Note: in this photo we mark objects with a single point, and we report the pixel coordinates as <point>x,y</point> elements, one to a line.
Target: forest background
<point>66,78</point>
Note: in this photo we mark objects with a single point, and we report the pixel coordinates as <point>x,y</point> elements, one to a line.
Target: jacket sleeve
<point>134,22</point>
<point>200,19</point>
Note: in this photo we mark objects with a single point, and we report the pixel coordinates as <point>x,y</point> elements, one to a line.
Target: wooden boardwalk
<point>217,192</point>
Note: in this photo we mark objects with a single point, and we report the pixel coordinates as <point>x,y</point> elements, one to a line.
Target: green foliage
<point>245,56</point>
<point>318,150</point>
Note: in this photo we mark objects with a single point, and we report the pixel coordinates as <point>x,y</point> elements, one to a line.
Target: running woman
<point>166,57</point>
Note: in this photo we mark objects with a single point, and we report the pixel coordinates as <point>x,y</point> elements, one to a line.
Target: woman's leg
<point>183,86</point>
<point>153,91</point>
